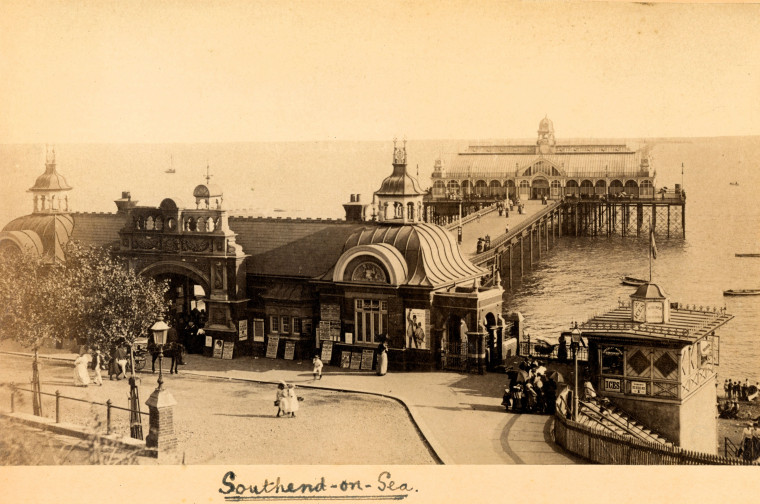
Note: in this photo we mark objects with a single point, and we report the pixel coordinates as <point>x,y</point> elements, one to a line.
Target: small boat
<point>742,292</point>
<point>170,170</point>
<point>632,281</point>
<point>748,255</point>
<point>733,183</point>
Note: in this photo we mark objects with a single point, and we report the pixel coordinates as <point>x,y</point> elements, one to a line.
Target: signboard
<point>229,346</point>
<point>638,311</point>
<point>356,360</point>
<point>258,330</point>
<point>611,385</point>
<point>638,387</point>
<point>243,330</point>
<point>208,341</point>
<point>654,312</point>
<point>327,348</point>
<point>417,329</point>
<point>349,338</point>
<point>290,350</point>
<point>272,344</point>
<point>329,312</point>
<point>218,349</point>
<point>367,356</point>
<point>345,359</point>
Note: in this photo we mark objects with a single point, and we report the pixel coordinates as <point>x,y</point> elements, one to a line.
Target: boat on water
<point>170,170</point>
<point>627,280</point>
<point>733,183</point>
<point>741,292</point>
<point>753,254</point>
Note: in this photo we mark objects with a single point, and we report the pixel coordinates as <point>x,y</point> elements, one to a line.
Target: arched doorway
<point>481,189</point>
<point>524,190</point>
<point>540,188</point>
<point>556,191</point>
<point>454,347</point>
<point>616,187</point>
<point>571,188</point>
<point>601,187</point>
<point>496,190</point>
<point>493,346</point>
<point>188,298</point>
<point>587,188</point>
<point>632,188</point>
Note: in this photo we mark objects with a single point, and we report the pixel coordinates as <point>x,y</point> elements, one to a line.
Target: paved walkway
<point>459,415</point>
<point>494,225</point>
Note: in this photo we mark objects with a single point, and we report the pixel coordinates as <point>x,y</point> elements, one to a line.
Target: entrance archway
<point>454,350</point>
<point>540,188</point>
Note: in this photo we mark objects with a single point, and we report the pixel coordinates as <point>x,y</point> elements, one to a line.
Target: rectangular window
<point>274,323</point>
<point>296,325</point>
<point>285,327</point>
<point>258,329</point>
<point>306,326</point>
<point>370,320</point>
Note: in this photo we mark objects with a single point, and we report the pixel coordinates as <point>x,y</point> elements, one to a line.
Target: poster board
<point>209,341</point>
<point>345,359</point>
<point>258,330</point>
<point>229,347</point>
<point>218,349</point>
<point>356,360</point>
<point>367,357</point>
<point>272,345</point>
<point>243,330</point>
<point>329,312</point>
<point>327,348</point>
<point>290,350</point>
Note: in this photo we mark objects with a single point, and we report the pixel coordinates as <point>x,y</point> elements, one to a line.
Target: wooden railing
<point>603,447</point>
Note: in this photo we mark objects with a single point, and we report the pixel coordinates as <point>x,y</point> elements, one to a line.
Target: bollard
<point>57,406</point>
<point>108,416</point>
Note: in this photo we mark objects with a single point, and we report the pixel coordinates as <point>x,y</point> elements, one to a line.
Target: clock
<point>639,311</point>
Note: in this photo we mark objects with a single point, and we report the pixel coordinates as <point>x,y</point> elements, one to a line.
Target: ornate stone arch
<point>178,268</point>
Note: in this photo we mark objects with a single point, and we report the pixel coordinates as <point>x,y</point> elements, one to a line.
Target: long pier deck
<point>519,240</point>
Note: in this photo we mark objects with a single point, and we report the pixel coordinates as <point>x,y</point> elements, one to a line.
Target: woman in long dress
<point>382,358</point>
<point>81,375</point>
<point>281,399</point>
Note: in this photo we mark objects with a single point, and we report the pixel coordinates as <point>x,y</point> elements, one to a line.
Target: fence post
<point>108,416</point>
<point>57,406</point>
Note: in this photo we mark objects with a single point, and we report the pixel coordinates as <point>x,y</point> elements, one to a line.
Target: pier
<point>519,241</point>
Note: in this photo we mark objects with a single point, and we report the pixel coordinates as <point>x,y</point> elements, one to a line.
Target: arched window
<point>190,224</point>
<point>587,188</point>
<point>149,224</point>
<point>616,187</point>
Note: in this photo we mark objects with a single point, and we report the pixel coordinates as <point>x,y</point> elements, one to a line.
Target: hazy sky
<point>183,71</point>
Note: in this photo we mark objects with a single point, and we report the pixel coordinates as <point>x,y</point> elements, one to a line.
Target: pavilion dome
<point>431,253</point>
<point>51,180</point>
<point>400,183</point>
<point>45,234</point>
<point>546,124</point>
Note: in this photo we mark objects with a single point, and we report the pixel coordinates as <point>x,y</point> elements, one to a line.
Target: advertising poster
<point>417,329</point>
<point>243,330</point>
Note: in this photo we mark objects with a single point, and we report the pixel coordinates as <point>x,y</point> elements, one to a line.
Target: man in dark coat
<point>175,349</point>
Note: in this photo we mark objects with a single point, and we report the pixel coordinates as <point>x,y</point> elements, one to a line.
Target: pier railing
<point>603,447</point>
<point>480,213</point>
<point>542,351</point>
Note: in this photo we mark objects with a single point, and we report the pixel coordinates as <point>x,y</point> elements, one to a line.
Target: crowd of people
<point>530,389</point>
<point>738,390</point>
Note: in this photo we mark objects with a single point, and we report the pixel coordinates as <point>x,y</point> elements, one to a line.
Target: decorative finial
<point>208,174</point>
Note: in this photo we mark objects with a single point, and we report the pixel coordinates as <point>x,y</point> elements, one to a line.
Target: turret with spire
<point>399,199</point>
<point>49,189</point>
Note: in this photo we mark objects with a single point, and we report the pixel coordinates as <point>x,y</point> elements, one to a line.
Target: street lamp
<point>159,330</point>
<point>575,334</point>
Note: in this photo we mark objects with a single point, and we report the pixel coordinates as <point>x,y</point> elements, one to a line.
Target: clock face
<point>638,311</point>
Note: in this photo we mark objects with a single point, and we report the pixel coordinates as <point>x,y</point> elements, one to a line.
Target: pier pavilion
<point>285,288</point>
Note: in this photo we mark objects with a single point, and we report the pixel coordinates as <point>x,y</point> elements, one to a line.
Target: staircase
<point>617,422</point>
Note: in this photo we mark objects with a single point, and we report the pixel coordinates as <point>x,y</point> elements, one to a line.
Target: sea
<point>577,279</point>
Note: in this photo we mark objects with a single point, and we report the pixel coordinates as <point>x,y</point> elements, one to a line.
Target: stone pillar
<point>161,435</point>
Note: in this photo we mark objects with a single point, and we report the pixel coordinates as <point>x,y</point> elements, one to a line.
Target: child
<point>281,398</point>
<point>292,400</point>
<point>317,361</point>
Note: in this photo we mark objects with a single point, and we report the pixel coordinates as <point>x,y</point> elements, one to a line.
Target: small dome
<point>400,183</point>
<point>546,124</point>
<point>51,180</point>
<point>206,191</point>
<point>649,291</point>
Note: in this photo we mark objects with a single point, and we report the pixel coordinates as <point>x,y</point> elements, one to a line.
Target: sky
<point>187,71</point>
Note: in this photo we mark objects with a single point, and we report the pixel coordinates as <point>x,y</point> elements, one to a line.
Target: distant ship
<point>170,170</point>
<point>171,166</point>
<point>733,183</point>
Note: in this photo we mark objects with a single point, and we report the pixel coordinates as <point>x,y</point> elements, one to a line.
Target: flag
<point>652,244</point>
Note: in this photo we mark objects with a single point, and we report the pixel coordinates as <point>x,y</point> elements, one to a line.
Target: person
<point>419,336</point>
<point>737,389</point>
<point>382,357</point>
<point>726,388</point>
<point>119,362</point>
<point>153,349</point>
<point>749,446</point>
<point>730,390</point>
<point>81,375</point>
<point>745,387</point>
<point>562,349</point>
<point>480,245</point>
<point>487,245</point>
<point>317,361</point>
<point>411,325</point>
<point>175,349</point>
<point>292,399</point>
<point>97,360</point>
<point>281,398</point>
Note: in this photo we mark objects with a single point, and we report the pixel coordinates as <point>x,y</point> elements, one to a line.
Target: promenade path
<point>494,225</point>
<point>459,415</point>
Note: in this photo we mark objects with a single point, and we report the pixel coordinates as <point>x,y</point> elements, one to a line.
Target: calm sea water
<point>575,280</point>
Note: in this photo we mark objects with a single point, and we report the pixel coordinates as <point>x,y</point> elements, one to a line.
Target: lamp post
<point>576,340</point>
<point>159,330</point>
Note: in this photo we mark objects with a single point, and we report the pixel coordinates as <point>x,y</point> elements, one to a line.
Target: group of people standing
<point>94,360</point>
<point>738,390</point>
<point>286,400</point>
<point>530,389</point>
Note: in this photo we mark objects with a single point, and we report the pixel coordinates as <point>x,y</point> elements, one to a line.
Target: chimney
<point>355,211</point>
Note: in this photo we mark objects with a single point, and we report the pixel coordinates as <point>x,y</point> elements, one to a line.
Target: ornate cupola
<point>399,199</point>
<point>649,304</point>
<point>49,189</point>
<point>545,143</point>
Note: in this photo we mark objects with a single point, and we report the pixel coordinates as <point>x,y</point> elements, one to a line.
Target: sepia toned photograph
<point>384,250</point>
